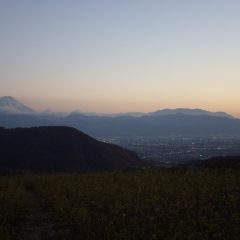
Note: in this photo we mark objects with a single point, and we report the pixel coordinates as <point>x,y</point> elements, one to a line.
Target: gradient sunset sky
<point>121,55</point>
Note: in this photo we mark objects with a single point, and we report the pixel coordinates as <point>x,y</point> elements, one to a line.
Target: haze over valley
<point>168,136</point>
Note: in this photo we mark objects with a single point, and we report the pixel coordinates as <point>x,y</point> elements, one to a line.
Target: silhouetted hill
<point>59,149</point>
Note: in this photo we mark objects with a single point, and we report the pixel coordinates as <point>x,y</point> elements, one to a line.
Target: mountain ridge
<point>177,124</point>
<point>60,148</point>
<point>189,111</point>
<point>8,104</point>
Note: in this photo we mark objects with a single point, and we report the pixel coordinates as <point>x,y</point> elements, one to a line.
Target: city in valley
<point>177,149</point>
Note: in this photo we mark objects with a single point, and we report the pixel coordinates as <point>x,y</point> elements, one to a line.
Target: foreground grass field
<point>13,203</point>
<point>150,204</point>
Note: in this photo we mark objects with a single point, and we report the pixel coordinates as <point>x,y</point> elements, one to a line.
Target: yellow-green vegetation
<point>170,204</point>
<point>144,204</point>
<point>13,203</point>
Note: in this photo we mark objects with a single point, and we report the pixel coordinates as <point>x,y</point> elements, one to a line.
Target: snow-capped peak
<point>11,105</point>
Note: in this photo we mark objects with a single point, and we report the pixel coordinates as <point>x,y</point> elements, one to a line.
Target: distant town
<point>177,149</point>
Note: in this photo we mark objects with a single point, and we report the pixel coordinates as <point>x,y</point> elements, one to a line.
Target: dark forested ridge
<point>59,149</point>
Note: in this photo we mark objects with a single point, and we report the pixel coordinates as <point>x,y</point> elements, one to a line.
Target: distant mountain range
<point>186,111</point>
<point>60,149</point>
<point>11,105</point>
<point>184,122</point>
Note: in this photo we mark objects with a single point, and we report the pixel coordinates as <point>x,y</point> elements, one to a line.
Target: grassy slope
<point>13,203</point>
<point>166,204</point>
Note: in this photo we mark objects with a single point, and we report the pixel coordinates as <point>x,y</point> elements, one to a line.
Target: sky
<point>121,56</point>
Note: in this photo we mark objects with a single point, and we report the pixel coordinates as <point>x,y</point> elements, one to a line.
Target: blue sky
<point>117,56</point>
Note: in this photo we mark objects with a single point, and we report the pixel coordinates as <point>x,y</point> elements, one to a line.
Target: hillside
<point>59,149</point>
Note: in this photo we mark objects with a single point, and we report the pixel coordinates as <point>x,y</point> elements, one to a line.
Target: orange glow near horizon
<point>69,105</point>
<point>121,56</point>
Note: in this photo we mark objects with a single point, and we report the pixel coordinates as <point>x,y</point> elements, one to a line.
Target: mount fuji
<point>10,105</point>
